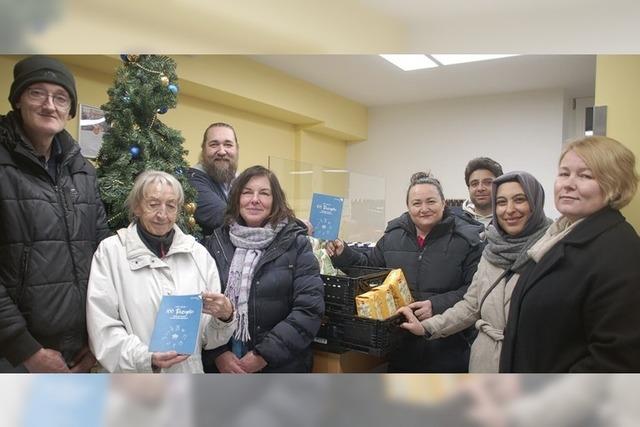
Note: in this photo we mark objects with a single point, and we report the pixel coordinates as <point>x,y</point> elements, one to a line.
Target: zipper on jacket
<point>24,267</point>
<point>221,247</point>
<point>67,234</point>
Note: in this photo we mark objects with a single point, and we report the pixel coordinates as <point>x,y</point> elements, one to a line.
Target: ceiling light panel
<point>461,59</point>
<point>410,62</point>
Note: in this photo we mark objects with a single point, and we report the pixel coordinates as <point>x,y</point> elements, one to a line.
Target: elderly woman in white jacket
<point>131,272</point>
<point>518,222</point>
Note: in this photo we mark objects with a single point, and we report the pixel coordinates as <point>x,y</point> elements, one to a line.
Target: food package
<point>376,304</point>
<point>399,288</point>
<point>386,301</point>
<point>366,306</point>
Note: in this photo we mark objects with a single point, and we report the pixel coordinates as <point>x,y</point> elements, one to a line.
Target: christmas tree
<point>145,86</point>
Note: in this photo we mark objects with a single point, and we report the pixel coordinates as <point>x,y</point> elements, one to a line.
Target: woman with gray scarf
<point>519,221</point>
<point>269,273</point>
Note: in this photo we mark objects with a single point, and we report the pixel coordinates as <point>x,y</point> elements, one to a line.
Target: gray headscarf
<point>507,251</point>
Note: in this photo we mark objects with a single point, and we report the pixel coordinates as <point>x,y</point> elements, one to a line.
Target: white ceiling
<point>372,81</point>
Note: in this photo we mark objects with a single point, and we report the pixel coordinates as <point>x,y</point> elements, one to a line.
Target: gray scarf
<point>510,252</point>
<point>250,243</point>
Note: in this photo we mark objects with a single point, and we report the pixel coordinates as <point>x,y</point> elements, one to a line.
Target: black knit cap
<point>38,68</point>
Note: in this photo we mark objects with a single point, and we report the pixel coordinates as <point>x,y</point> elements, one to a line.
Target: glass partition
<point>363,218</point>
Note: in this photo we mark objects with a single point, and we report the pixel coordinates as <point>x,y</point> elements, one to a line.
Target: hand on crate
<point>334,247</point>
<point>412,324</point>
<point>422,309</point>
<point>228,363</point>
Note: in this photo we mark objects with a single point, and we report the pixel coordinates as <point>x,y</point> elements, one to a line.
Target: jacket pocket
<point>24,269</point>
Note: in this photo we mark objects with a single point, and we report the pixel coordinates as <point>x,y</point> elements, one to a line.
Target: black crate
<point>340,291</point>
<point>329,336</point>
<point>374,337</point>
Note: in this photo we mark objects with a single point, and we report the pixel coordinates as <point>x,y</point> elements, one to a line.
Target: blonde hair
<point>143,181</point>
<point>613,166</point>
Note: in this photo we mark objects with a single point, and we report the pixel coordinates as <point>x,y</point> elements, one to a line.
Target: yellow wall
<point>618,87</point>
<point>274,114</point>
<point>275,26</point>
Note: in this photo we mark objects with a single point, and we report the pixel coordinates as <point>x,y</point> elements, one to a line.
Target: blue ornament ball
<point>124,57</point>
<point>135,151</point>
<point>173,88</point>
<point>126,99</point>
<point>163,110</point>
<point>179,171</point>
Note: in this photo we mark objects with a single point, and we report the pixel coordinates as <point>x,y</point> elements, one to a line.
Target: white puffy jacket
<point>126,285</point>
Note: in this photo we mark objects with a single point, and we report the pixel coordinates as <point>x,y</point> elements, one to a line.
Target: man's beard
<point>221,170</point>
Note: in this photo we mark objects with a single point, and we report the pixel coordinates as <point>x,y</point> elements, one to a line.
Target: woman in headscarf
<point>519,221</point>
<point>576,307</point>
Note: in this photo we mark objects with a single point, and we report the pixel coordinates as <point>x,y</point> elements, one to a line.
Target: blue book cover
<point>177,324</point>
<point>326,212</point>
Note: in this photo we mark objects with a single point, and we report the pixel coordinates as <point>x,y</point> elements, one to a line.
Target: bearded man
<point>213,176</point>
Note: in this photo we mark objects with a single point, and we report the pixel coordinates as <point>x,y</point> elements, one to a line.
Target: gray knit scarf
<point>250,243</point>
<point>510,252</point>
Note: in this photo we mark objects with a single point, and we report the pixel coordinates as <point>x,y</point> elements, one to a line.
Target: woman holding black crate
<point>519,222</point>
<point>438,253</point>
<point>269,273</point>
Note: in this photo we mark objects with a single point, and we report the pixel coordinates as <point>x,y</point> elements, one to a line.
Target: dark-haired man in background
<point>479,175</point>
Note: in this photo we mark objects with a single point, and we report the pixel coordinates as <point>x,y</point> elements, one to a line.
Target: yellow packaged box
<point>376,304</point>
<point>385,300</point>
<point>366,306</point>
<point>399,287</point>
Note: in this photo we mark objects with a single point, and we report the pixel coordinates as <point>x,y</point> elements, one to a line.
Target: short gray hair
<point>144,180</point>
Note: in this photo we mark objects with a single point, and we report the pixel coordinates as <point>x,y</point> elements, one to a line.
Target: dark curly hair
<point>482,163</point>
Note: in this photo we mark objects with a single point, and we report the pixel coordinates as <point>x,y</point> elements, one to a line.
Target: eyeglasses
<point>40,95</point>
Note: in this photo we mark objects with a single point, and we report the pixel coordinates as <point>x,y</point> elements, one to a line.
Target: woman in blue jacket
<point>269,272</point>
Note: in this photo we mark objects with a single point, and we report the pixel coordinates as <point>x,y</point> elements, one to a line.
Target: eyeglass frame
<point>45,95</point>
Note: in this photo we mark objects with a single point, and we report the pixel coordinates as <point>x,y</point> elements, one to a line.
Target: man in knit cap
<point>51,221</point>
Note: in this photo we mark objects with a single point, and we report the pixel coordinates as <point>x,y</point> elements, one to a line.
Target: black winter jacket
<point>577,310</point>
<point>286,301</point>
<point>441,272</point>
<point>48,233</point>
<point>211,202</point>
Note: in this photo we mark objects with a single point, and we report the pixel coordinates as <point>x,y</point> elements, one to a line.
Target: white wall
<point>522,131</point>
